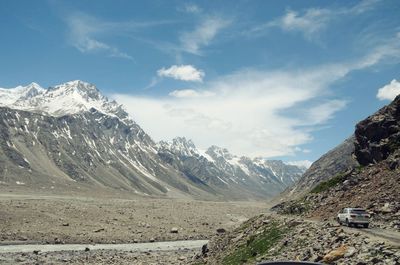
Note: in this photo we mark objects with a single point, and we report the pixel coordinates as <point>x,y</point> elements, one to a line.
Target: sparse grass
<point>256,245</point>
<point>359,169</point>
<point>326,185</point>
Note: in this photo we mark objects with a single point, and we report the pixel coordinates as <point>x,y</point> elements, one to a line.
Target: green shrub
<point>255,245</point>
<point>326,185</point>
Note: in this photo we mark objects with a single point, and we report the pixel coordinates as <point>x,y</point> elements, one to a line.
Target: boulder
<point>335,254</point>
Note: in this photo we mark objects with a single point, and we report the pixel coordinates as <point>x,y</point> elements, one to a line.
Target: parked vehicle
<point>353,216</point>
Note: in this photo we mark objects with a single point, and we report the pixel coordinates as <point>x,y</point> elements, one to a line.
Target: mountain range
<point>71,137</point>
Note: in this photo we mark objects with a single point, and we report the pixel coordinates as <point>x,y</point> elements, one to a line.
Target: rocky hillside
<point>338,160</point>
<point>71,137</point>
<point>273,238</point>
<point>87,148</point>
<point>228,173</point>
<point>374,185</point>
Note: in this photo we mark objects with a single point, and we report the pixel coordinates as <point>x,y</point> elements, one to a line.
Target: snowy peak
<point>68,98</point>
<point>217,152</point>
<point>9,96</point>
<point>86,90</point>
<point>180,146</point>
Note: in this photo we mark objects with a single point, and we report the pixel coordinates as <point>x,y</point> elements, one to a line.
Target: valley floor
<point>32,218</point>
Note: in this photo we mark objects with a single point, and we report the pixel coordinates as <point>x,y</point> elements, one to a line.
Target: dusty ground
<point>61,219</point>
<point>100,257</point>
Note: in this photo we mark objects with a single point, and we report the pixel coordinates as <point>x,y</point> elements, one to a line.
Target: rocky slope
<point>86,148</point>
<point>336,161</point>
<point>274,238</point>
<point>71,136</point>
<point>374,185</point>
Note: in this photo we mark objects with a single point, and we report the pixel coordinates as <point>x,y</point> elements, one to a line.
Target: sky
<point>277,79</point>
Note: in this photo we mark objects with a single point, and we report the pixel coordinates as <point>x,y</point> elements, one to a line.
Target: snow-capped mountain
<point>219,168</point>
<point>71,136</point>
<point>68,98</point>
<point>12,95</point>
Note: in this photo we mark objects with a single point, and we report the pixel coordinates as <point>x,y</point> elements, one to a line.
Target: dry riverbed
<point>54,219</point>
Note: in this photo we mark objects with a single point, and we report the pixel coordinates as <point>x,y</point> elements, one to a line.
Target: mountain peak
<point>83,88</point>
<point>34,85</point>
<point>68,98</point>
<point>179,145</point>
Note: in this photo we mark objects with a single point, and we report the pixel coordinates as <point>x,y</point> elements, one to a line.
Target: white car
<point>353,216</point>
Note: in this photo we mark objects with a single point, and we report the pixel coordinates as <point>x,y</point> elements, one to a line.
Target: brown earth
<point>83,219</point>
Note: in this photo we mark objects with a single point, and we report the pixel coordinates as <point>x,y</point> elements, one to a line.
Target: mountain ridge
<point>81,135</point>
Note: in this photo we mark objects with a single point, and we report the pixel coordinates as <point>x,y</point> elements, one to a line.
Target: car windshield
<point>358,211</point>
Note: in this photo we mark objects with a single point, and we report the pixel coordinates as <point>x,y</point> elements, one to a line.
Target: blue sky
<point>279,79</point>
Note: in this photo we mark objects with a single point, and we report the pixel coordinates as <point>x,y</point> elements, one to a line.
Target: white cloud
<point>312,21</point>
<point>202,35</point>
<point>300,163</point>
<point>190,93</point>
<point>242,115</point>
<point>182,72</point>
<point>389,91</point>
<point>325,111</point>
<point>252,112</point>
<point>191,8</point>
<point>82,30</point>
<point>85,31</point>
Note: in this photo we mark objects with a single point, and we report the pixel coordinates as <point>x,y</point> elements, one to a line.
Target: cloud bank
<point>253,112</point>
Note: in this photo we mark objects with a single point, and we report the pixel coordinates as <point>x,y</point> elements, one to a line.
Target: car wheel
<point>338,220</point>
<point>348,223</point>
<point>366,225</point>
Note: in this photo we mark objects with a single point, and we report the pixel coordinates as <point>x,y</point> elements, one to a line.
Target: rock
<point>375,260</point>
<point>335,254</point>
<point>293,223</point>
<point>65,224</point>
<point>387,208</point>
<point>152,239</point>
<point>341,237</point>
<point>204,250</point>
<point>99,230</point>
<point>350,252</point>
<point>221,230</point>
<point>36,252</point>
<point>377,137</point>
<point>387,252</point>
<point>174,230</point>
<point>87,249</point>
<point>181,258</point>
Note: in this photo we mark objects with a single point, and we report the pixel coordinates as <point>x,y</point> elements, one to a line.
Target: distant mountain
<point>226,172</point>
<point>71,136</point>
